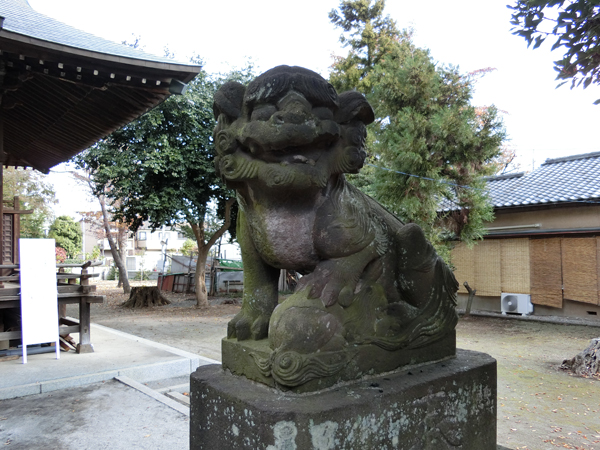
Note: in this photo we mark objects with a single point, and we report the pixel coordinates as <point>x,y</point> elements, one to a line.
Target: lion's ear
<point>354,106</point>
<point>228,100</point>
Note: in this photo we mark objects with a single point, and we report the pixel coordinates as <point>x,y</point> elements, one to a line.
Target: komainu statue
<point>374,295</point>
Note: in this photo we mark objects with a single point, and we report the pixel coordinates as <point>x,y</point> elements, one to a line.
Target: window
<point>130,263</point>
<point>141,235</point>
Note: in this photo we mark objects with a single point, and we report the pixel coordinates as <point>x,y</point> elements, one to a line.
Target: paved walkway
<point>128,394</point>
<point>115,354</point>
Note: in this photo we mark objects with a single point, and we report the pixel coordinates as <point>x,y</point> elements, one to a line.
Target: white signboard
<point>39,294</point>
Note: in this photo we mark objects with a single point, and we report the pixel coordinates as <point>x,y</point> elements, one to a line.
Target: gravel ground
<point>539,406</point>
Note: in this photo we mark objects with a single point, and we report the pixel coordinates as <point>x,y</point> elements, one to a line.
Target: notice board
<point>39,294</point>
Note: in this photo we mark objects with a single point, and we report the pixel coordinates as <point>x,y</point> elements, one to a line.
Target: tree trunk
<point>122,249</point>
<point>203,249</point>
<point>200,278</point>
<point>587,363</point>
<point>145,296</point>
<point>123,279</point>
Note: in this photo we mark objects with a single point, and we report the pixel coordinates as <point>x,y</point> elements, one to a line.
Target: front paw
<point>329,287</point>
<point>248,325</point>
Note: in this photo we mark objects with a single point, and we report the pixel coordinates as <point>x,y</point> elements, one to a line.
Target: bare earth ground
<point>539,406</point>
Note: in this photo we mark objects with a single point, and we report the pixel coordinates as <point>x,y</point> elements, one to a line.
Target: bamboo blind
<point>487,268</point>
<point>580,269</point>
<point>463,259</point>
<point>546,272</point>
<point>598,265</point>
<point>515,276</point>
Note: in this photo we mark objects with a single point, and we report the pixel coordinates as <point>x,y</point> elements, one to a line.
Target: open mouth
<point>303,155</point>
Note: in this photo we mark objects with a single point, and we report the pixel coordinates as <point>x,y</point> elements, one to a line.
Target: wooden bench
<point>229,283</point>
<point>69,292</point>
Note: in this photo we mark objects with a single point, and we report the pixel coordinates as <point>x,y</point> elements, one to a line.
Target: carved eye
<point>263,112</point>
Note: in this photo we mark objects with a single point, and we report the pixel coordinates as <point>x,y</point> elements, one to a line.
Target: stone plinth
<point>445,405</point>
<point>239,357</point>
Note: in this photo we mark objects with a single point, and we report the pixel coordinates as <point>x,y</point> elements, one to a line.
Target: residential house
<point>544,241</point>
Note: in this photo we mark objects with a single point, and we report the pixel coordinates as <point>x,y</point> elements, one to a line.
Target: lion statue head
<point>288,129</point>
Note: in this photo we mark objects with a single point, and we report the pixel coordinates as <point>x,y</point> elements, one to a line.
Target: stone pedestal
<point>239,357</point>
<point>445,405</point>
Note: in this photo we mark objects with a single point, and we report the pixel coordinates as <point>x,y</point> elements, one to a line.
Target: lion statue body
<point>374,295</point>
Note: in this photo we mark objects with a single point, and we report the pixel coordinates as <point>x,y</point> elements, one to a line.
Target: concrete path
<point>115,354</point>
<point>128,394</point>
<point>104,415</point>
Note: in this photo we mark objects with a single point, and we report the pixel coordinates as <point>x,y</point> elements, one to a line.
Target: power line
<point>423,178</point>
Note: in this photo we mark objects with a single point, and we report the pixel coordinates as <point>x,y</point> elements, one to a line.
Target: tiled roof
<point>22,19</point>
<point>568,179</point>
<point>63,89</point>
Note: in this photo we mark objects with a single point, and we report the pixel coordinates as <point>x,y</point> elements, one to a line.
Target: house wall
<point>89,237</point>
<point>569,309</point>
<point>575,217</point>
<point>562,274</point>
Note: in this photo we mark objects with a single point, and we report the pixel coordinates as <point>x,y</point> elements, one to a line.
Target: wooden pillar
<point>2,159</point>
<point>85,345</point>
<point>16,229</point>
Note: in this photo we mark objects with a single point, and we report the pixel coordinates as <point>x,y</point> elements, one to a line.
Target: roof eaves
<point>189,70</point>
<point>571,158</point>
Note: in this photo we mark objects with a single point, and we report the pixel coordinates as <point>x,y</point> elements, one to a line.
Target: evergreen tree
<point>67,234</point>
<point>430,145</point>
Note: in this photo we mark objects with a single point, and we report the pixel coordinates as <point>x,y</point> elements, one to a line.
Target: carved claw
<point>246,325</point>
<point>330,289</point>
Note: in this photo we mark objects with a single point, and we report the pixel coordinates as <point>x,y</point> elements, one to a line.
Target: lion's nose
<point>292,108</point>
<point>293,116</point>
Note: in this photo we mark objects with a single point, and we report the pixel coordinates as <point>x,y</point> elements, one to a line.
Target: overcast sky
<point>541,121</point>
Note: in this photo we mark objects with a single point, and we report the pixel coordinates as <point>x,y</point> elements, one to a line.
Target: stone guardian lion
<point>374,295</point>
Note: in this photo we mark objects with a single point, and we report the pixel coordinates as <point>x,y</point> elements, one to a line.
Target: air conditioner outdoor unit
<point>516,304</point>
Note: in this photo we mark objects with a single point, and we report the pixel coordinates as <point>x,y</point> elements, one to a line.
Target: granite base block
<point>439,406</point>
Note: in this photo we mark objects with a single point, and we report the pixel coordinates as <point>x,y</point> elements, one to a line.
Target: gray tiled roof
<point>22,19</point>
<point>573,178</point>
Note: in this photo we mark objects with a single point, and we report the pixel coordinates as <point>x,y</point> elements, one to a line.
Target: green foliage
<point>93,256</point>
<point>189,247</point>
<point>428,143</point>
<point>34,194</point>
<point>113,273</point>
<point>369,36</point>
<point>159,168</point>
<point>142,275</point>
<point>67,234</point>
<point>575,23</point>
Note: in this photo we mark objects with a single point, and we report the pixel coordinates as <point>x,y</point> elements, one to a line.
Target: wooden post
<point>62,309</point>
<point>85,344</point>
<point>2,158</point>
<point>16,218</point>
<point>470,300</point>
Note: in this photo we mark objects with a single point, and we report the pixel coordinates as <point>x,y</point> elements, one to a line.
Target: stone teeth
<point>300,158</point>
<point>311,162</point>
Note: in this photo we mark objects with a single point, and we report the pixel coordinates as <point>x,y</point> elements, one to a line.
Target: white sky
<point>542,122</point>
